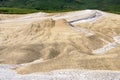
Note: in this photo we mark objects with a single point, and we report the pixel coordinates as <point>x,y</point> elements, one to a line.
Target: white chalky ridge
<point>109,46</point>
<point>96,15</point>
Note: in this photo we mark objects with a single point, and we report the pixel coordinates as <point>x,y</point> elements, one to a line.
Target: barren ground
<point>43,42</point>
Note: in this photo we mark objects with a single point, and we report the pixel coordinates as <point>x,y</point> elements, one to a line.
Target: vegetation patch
<point>30,6</point>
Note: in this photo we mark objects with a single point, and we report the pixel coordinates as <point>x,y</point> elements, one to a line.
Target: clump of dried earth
<point>42,42</point>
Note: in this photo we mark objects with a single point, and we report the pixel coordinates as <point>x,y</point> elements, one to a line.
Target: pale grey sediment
<point>7,74</point>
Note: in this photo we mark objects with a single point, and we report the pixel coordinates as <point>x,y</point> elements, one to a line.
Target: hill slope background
<point>63,5</point>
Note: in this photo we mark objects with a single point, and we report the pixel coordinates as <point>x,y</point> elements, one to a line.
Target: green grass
<point>4,10</point>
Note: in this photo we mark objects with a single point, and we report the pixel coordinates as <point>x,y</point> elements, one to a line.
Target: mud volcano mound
<point>87,39</point>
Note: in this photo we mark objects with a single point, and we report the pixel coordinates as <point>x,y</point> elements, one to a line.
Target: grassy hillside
<point>61,5</point>
<point>16,10</point>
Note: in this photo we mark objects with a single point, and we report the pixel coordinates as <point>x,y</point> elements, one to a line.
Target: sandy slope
<point>41,42</point>
<point>9,16</point>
